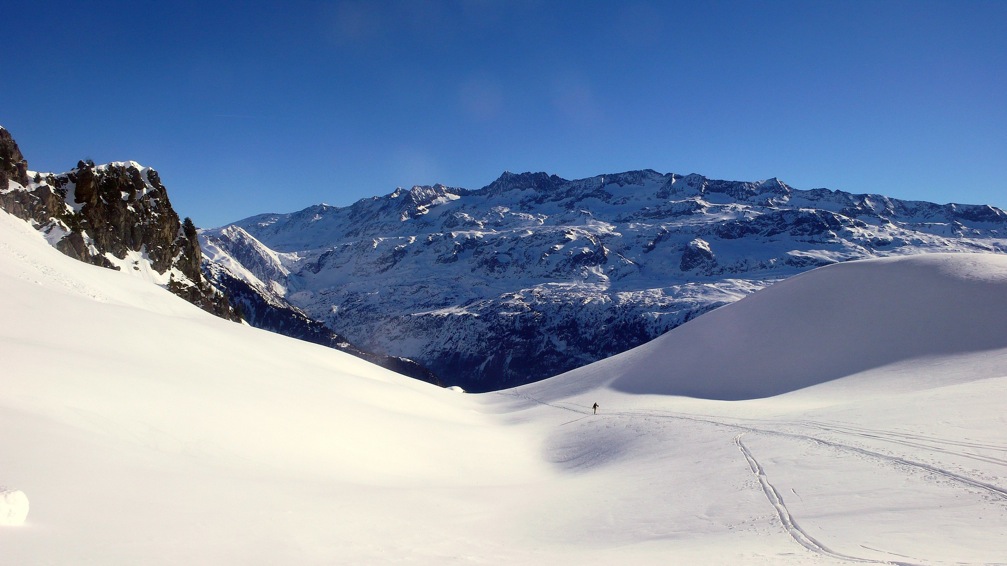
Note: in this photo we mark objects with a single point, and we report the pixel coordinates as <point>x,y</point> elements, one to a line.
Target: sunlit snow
<point>851,414</point>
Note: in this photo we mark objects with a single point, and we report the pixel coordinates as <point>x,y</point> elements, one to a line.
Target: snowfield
<point>855,417</point>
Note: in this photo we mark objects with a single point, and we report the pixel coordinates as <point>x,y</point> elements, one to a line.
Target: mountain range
<point>526,278</point>
<point>534,275</point>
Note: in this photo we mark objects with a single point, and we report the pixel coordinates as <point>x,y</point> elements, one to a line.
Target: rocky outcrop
<point>12,164</point>
<point>697,254</point>
<point>116,215</point>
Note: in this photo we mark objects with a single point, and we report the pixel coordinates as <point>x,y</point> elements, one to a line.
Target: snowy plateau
<point>851,414</point>
<point>534,275</point>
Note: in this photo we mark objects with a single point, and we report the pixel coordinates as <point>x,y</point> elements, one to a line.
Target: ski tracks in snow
<point>958,448</point>
<point>796,532</point>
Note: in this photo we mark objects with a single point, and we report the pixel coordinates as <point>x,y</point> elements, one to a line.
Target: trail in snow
<point>789,523</point>
<point>925,442</point>
<point>772,428</point>
<point>953,476</point>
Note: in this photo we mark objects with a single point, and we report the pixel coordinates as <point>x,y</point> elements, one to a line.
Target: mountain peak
<point>508,181</point>
<point>774,187</point>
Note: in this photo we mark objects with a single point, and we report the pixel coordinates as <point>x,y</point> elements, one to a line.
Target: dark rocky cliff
<point>115,216</point>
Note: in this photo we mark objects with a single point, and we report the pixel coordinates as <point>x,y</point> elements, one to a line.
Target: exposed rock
<point>115,216</point>
<point>697,253</point>
<point>13,166</point>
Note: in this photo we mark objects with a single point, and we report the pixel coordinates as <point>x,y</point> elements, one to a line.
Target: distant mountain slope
<point>534,275</point>
<point>264,308</point>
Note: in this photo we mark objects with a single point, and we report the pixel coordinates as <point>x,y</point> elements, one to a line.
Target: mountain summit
<point>534,275</point>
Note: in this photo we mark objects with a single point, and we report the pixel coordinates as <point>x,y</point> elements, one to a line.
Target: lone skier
<point>595,408</point>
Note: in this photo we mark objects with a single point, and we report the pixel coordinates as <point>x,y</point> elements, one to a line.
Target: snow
<point>861,421</point>
<point>13,507</point>
<point>812,329</point>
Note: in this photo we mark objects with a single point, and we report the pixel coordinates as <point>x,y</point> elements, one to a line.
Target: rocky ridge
<point>116,215</point>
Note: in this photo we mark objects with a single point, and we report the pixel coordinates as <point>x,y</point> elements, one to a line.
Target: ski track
<point>924,442</point>
<point>877,435</point>
<point>930,443</point>
<point>789,523</point>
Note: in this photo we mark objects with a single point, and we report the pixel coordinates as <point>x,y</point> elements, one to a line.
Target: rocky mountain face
<point>116,215</point>
<point>264,309</point>
<point>534,275</point>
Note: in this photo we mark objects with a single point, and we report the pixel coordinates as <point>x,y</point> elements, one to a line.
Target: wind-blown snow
<point>147,431</point>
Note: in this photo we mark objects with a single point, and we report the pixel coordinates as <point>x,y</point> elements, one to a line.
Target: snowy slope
<point>239,448</point>
<point>848,319</point>
<point>534,275</point>
<point>250,448</point>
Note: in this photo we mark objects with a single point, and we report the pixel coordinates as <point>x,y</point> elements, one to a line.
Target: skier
<point>595,408</point>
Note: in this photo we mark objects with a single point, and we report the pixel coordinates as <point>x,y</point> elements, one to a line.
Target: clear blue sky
<point>251,107</point>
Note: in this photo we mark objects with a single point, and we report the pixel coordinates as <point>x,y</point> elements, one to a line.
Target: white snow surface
<point>13,507</point>
<point>861,420</point>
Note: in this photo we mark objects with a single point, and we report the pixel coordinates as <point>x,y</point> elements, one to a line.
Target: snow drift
<point>837,321</point>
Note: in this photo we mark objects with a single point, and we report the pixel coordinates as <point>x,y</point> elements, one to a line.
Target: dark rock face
<point>12,164</point>
<point>102,214</point>
<point>697,254</point>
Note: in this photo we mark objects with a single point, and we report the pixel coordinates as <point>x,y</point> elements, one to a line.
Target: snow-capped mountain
<point>534,275</point>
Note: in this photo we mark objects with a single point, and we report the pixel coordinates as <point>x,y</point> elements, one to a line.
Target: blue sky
<point>251,107</point>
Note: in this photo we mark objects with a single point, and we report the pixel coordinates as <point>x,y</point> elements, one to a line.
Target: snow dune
<point>145,431</point>
<point>847,319</point>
